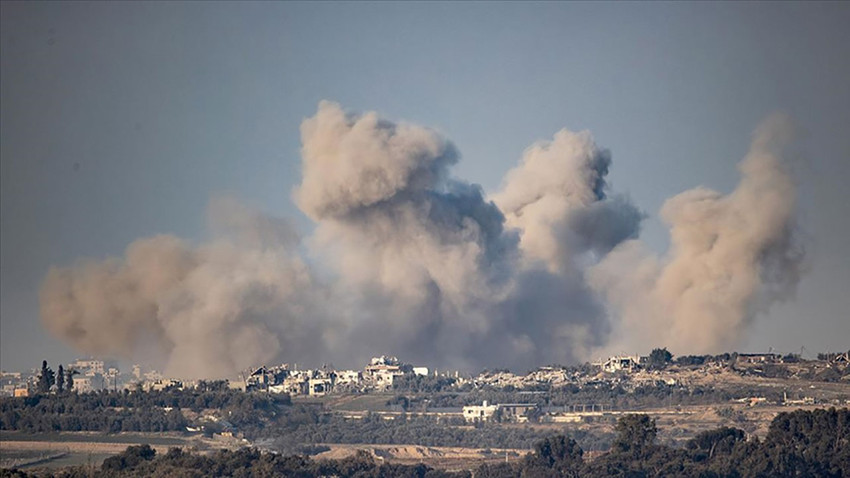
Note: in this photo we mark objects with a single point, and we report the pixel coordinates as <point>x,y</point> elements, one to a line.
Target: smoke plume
<point>408,260</point>
<point>557,198</point>
<point>730,257</point>
<point>205,311</point>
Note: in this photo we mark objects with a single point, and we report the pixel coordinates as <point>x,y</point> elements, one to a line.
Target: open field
<point>120,439</point>
<point>55,450</point>
<point>374,402</point>
<point>448,458</point>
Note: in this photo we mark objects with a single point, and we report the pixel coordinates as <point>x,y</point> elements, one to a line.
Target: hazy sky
<point>122,120</point>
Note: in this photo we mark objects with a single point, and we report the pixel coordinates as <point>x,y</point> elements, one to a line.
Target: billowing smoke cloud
<point>557,199</point>
<point>425,254</point>
<point>205,311</point>
<point>731,256</point>
<point>438,272</point>
<point>413,262</point>
<point>388,214</point>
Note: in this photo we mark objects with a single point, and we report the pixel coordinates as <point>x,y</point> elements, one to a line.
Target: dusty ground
<point>450,458</point>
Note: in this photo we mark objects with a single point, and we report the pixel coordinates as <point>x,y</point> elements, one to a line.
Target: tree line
<point>153,411</point>
<point>801,443</point>
<point>423,431</point>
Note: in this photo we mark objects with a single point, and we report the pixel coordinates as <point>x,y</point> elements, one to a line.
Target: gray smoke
<point>207,311</point>
<point>423,254</point>
<point>408,261</point>
<point>557,198</point>
<point>731,256</point>
<point>438,273</point>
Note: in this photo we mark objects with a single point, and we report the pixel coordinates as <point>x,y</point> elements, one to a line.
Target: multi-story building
<point>88,367</point>
<point>382,371</point>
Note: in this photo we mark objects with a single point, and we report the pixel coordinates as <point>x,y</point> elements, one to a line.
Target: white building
<point>479,413</point>
<point>510,412</point>
<point>623,362</point>
<point>382,371</point>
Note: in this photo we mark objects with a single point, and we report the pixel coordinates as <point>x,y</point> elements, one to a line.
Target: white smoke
<point>420,264</point>
<point>730,257</point>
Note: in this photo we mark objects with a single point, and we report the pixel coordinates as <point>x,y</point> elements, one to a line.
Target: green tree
<point>659,358</point>
<point>559,453</point>
<point>496,470</point>
<point>46,378</point>
<point>635,435</point>
<point>69,379</point>
<point>60,379</point>
<point>132,457</point>
<point>712,442</point>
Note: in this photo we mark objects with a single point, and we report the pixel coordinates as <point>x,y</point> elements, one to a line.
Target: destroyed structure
<point>379,375</point>
<point>626,363</point>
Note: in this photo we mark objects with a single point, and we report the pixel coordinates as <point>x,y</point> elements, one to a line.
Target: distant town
<point>384,374</point>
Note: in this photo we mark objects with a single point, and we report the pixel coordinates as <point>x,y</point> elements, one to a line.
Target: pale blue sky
<point>165,105</point>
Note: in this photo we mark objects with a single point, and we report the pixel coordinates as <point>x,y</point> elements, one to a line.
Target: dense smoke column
<point>559,202</point>
<point>440,275</point>
<point>731,256</point>
<point>423,254</point>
